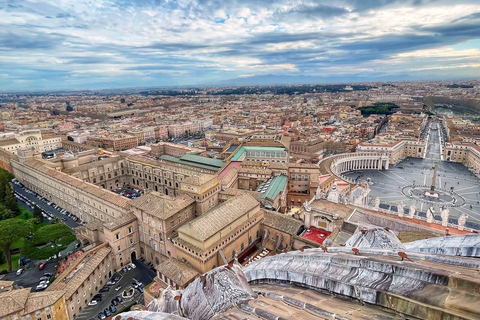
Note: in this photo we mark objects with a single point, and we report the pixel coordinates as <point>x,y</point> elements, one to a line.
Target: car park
<point>48,274</point>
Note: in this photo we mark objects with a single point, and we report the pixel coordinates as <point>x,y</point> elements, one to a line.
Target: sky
<point>95,44</point>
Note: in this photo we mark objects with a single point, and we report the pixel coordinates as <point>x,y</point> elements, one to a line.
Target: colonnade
<point>358,161</point>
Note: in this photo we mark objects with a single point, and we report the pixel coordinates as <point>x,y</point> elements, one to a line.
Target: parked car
<point>97,297</point>
<point>135,285</point>
<point>113,309</point>
<point>48,274</point>
<point>119,298</point>
<point>41,266</point>
<point>93,303</point>
<point>41,287</point>
<point>140,289</point>
<point>107,312</point>
<point>116,278</point>
<point>101,316</point>
<point>114,301</point>
<point>132,265</point>
<point>44,278</point>
<point>19,271</point>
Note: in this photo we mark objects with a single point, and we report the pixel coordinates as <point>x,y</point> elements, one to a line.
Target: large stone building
<point>159,218</point>
<point>35,139</point>
<point>23,304</point>
<point>468,154</point>
<point>220,234</point>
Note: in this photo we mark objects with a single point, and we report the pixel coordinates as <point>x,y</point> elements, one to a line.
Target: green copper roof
<point>189,163</point>
<point>277,184</point>
<point>247,148</point>
<point>203,160</point>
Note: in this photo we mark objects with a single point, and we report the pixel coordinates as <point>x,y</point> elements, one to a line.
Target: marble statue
<point>377,203</point>
<point>307,206</point>
<point>444,214</point>
<point>461,221</point>
<point>430,215</point>
<point>411,212</point>
<point>207,296</point>
<point>400,209</point>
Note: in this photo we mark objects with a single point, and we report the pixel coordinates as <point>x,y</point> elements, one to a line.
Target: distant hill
<point>273,79</point>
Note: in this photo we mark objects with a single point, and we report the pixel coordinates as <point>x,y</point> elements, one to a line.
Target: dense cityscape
<point>227,160</point>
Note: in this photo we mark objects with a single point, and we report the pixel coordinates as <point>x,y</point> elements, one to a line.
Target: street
<point>44,206</point>
<point>141,273</point>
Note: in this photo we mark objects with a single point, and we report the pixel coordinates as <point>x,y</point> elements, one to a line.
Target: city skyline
<point>50,45</point>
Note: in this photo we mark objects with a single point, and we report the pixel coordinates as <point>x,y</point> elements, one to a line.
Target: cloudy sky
<point>60,44</point>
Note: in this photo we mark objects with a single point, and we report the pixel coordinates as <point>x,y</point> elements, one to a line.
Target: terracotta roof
<point>71,279</point>
<point>40,300</point>
<point>9,142</point>
<point>13,301</point>
<point>126,218</point>
<point>177,271</point>
<point>219,217</point>
<point>199,179</point>
<point>281,222</point>
<point>234,192</point>
<point>160,205</point>
<point>99,192</point>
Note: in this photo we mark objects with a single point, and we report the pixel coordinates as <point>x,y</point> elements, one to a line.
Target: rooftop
<point>217,218</point>
<point>160,205</point>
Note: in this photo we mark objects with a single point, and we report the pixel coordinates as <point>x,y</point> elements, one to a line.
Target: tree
<point>5,213</point>
<point>10,231</point>
<point>37,214</point>
<point>11,202</point>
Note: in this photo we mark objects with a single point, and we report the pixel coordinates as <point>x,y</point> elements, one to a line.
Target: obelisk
<point>434,179</point>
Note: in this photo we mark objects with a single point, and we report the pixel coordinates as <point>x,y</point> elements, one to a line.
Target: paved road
<point>45,207</point>
<point>141,273</point>
<point>433,144</point>
<point>30,277</point>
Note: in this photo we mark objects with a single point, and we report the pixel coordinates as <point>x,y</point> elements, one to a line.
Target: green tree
<point>48,241</point>
<point>10,231</point>
<point>11,202</point>
<point>37,214</point>
<point>5,213</point>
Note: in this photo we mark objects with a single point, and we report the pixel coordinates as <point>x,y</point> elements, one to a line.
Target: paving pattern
<point>458,189</point>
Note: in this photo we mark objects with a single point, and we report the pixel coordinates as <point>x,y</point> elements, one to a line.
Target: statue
<point>307,206</point>
<point>318,193</point>
<point>444,215</point>
<point>207,296</point>
<point>400,209</point>
<point>377,203</point>
<point>461,221</point>
<point>430,215</point>
<point>412,211</point>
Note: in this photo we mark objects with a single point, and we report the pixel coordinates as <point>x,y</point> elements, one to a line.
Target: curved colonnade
<point>346,162</point>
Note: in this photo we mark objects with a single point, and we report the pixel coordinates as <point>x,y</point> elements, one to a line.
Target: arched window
<point>94,180</point>
<point>242,247</point>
